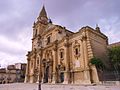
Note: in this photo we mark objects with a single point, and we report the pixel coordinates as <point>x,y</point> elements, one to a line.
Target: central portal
<point>46,76</point>
<point>47,69</point>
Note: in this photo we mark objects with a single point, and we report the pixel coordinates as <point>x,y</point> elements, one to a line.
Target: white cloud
<point>110,27</point>
<point>6,59</point>
<point>17,17</point>
<point>15,51</point>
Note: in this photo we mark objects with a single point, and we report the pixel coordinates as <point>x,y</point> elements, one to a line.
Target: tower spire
<point>43,16</point>
<point>43,12</point>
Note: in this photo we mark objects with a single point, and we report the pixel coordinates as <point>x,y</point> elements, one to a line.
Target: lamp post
<point>39,86</point>
<point>39,83</point>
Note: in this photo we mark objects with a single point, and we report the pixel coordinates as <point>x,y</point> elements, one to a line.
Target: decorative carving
<point>76,49</point>
<point>77,63</point>
<point>84,37</point>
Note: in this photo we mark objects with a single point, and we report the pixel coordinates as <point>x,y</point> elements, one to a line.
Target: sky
<point>17,17</point>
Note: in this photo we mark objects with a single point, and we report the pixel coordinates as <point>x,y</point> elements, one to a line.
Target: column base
<point>37,82</point>
<point>49,80</point>
<point>42,80</point>
<point>86,82</point>
<point>54,78</point>
<point>26,79</point>
<point>66,78</point>
<point>65,82</point>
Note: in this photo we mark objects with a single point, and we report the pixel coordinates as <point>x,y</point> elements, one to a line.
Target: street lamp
<point>39,86</point>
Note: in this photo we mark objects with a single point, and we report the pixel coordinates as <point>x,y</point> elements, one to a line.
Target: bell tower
<point>39,27</point>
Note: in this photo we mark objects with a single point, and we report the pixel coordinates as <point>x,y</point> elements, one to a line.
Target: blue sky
<point>17,17</point>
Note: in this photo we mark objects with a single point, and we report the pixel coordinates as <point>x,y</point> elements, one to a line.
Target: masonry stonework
<point>61,56</point>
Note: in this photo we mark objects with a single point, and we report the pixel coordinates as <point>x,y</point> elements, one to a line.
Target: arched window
<point>76,51</point>
<point>61,54</point>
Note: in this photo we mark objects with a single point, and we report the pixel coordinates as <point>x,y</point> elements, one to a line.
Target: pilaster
<point>85,53</point>
<point>27,71</point>
<point>94,75</point>
<point>54,77</point>
<point>66,73</point>
<point>40,67</point>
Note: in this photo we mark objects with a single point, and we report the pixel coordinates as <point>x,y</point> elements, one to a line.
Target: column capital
<point>55,48</point>
<point>66,44</point>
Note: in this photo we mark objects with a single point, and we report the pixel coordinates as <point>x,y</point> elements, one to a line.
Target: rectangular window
<point>61,54</point>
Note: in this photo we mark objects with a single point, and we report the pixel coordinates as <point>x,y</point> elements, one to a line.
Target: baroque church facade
<point>61,56</point>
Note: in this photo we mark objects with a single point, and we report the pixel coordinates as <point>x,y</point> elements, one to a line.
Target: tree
<point>98,63</point>
<point>114,57</point>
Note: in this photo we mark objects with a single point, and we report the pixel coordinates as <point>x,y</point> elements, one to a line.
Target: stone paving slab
<point>18,86</point>
<point>79,87</point>
<point>23,86</point>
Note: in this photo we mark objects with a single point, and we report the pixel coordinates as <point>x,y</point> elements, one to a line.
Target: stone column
<point>39,69</point>
<point>50,74</point>
<point>66,73</point>
<point>54,77</point>
<point>43,73</point>
<point>86,68</point>
<point>42,68</point>
<point>27,71</point>
<point>82,53</point>
<point>32,69</point>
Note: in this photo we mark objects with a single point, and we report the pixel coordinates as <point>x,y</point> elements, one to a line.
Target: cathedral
<point>62,56</point>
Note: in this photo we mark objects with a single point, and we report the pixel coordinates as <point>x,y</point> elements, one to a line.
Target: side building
<point>61,56</point>
<point>13,73</point>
